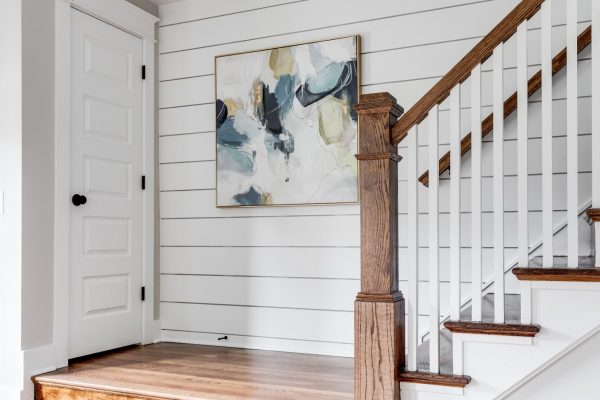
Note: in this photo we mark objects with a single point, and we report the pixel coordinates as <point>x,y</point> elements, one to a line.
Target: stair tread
<point>486,328</point>
<point>435,379</point>
<point>584,272</point>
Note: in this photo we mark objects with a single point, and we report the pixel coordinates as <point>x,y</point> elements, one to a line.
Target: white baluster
<point>412,164</point>
<point>547,187</point>
<point>498,62</point>
<point>572,128</point>
<point>455,161</point>
<point>596,120</point>
<point>434,272</point>
<point>476,192</point>
<point>522,146</point>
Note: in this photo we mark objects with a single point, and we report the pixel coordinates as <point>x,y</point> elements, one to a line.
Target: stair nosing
<point>558,274</point>
<point>427,378</point>
<point>487,328</point>
<point>40,380</point>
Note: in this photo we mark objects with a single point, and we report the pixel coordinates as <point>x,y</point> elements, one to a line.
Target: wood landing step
<point>585,271</point>
<point>185,372</point>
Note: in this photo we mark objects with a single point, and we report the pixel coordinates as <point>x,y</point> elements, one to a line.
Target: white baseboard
<point>9,393</point>
<point>153,333</point>
<point>259,343</point>
<point>36,361</point>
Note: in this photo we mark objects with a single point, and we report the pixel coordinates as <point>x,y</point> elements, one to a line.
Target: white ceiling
<point>161,2</point>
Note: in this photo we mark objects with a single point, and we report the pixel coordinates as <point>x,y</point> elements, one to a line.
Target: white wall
<point>574,376</point>
<point>286,278</point>
<point>38,171</point>
<point>11,358</point>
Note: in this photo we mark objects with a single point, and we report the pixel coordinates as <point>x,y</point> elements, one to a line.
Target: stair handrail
<point>510,105</point>
<point>462,70</point>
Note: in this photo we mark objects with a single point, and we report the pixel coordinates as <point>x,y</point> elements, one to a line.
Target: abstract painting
<point>286,130</point>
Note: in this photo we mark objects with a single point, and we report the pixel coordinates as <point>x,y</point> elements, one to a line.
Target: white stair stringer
<point>567,313</point>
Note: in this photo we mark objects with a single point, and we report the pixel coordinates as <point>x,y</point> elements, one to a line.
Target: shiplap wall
<point>286,278</point>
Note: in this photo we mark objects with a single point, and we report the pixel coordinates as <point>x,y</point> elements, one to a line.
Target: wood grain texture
<point>593,213</point>
<point>180,371</point>
<point>461,71</point>
<point>558,274</point>
<point>379,308</point>
<point>427,378</point>
<point>483,328</point>
<point>65,392</point>
<point>510,105</point>
<point>379,349</point>
<point>378,177</point>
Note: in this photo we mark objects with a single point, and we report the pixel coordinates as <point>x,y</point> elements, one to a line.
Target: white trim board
<point>133,20</point>
<point>550,362</point>
<point>121,14</point>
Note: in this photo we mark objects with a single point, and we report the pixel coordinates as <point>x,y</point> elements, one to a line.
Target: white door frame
<point>131,19</point>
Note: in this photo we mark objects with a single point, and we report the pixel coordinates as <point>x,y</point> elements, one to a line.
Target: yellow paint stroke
<point>281,62</point>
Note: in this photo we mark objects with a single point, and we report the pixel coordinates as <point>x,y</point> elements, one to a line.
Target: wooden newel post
<point>379,307</point>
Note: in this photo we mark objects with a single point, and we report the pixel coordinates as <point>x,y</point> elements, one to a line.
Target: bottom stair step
<point>427,378</point>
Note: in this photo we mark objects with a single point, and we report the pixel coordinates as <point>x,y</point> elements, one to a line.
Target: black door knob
<point>78,200</point>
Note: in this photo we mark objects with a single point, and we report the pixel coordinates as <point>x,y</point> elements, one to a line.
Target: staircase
<point>495,340</point>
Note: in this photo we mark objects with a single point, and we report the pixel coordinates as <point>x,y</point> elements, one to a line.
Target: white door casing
<point>106,167</point>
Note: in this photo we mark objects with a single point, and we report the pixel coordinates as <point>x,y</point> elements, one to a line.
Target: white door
<point>106,169</point>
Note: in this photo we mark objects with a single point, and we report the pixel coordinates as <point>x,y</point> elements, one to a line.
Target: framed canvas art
<point>286,132</point>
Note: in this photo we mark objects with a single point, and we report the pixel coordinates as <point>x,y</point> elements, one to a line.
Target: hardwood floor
<point>180,371</point>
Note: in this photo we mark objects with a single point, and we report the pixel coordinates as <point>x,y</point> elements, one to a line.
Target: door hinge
<point>143,72</point>
<point>143,182</point>
<point>143,293</point>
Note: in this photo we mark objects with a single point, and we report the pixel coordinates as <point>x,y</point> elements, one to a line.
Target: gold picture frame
<point>357,59</point>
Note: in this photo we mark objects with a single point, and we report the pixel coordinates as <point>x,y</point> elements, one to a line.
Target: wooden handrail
<point>461,71</point>
<point>510,105</point>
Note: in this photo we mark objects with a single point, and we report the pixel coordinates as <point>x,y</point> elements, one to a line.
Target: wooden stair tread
<point>558,274</point>
<point>486,328</point>
<point>427,378</point>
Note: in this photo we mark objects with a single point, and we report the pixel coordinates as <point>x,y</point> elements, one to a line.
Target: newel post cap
<point>378,103</point>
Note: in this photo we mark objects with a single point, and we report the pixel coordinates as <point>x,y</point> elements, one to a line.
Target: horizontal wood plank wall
<point>286,278</point>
